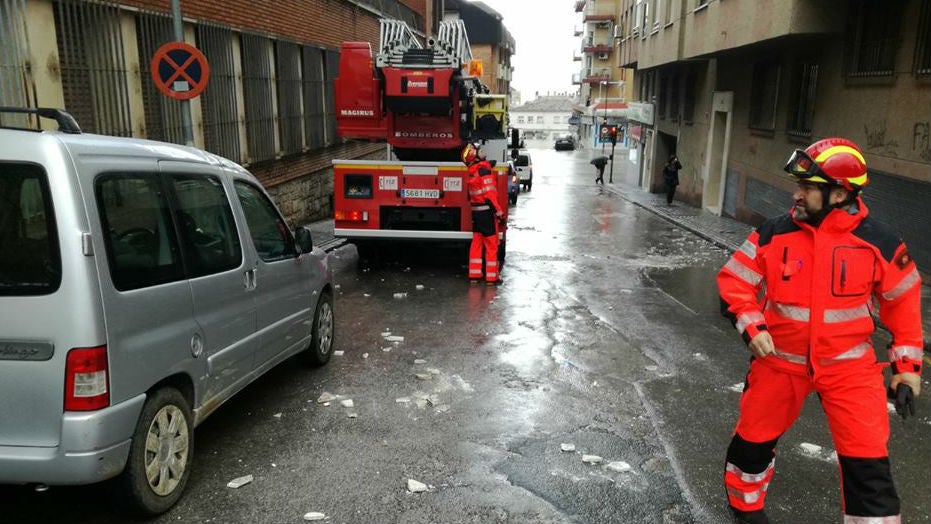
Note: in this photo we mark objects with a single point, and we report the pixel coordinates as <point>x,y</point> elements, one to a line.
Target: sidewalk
<point>725,233</point>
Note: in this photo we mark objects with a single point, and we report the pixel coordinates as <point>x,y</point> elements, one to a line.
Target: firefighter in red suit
<point>486,211</point>
<point>800,290</point>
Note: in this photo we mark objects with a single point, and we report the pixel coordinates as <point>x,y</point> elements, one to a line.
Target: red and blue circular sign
<point>180,70</point>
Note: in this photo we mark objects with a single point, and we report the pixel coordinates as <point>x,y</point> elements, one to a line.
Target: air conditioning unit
<point>617,32</point>
<point>603,56</point>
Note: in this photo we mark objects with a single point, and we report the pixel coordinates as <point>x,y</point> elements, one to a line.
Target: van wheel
<point>160,454</point>
<point>322,336</point>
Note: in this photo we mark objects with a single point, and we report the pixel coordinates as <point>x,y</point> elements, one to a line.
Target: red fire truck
<point>426,102</point>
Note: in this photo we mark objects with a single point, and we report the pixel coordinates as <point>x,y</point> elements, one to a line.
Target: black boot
<point>750,517</point>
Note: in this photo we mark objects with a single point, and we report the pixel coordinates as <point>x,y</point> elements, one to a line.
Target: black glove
<point>904,400</point>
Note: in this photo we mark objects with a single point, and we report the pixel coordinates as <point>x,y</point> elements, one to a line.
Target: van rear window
<point>30,257</point>
<point>522,161</point>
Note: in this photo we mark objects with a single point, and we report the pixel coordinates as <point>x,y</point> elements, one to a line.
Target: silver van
<point>142,284</point>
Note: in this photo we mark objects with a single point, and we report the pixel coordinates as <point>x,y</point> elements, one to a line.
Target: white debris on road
<point>591,459</point>
<point>810,449</point>
<point>419,361</point>
<point>400,295</point>
<point>423,376</point>
<point>386,350</point>
<point>338,353</point>
<point>565,446</point>
<point>419,287</point>
<point>394,338</point>
<point>402,400</point>
<point>314,515</point>
<point>277,415</point>
<point>239,482</point>
<point>651,367</point>
<point>416,487</point>
<point>737,388</point>
<point>326,397</point>
<point>347,403</point>
<point>365,355</point>
<point>386,333</point>
<point>618,466</point>
<point>352,414</point>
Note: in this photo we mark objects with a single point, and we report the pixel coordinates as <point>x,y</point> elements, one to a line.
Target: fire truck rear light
<point>87,379</point>
<point>352,216</point>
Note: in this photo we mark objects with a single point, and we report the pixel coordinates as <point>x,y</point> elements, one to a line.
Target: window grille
<point>162,114</point>
<point>288,62</point>
<point>802,103</point>
<point>219,101</point>
<point>674,98</point>
<point>873,37</point>
<point>13,52</point>
<point>257,90</point>
<point>688,105</point>
<point>763,96</point>
<point>661,98</point>
<point>93,68</point>
<point>313,90</point>
<point>923,42</point>
<point>332,70</point>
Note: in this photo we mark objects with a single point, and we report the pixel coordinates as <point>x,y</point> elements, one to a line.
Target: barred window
<point>332,71</point>
<point>873,34</point>
<point>763,96</point>
<point>923,42</point>
<point>288,64</point>
<point>674,98</point>
<point>13,52</point>
<point>313,91</point>
<point>93,68</point>
<point>802,102</point>
<point>661,99</point>
<point>162,114</point>
<point>688,99</point>
<point>219,101</point>
<point>258,92</point>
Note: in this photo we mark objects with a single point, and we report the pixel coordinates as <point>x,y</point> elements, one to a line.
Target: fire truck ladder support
<point>454,40</point>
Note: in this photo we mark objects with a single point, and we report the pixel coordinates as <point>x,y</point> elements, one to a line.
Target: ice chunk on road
<point>394,338</point>
<point>737,388</point>
<point>239,482</point>
<point>592,459</point>
<point>423,376</point>
<point>416,487</point>
<point>618,466</point>
<point>810,449</point>
<point>419,287</point>
<point>314,515</point>
<point>565,446</point>
<point>347,403</point>
<point>419,361</point>
<point>400,295</point>
<point>326,397</point>
<point>402,400</point>
<point>338,353</point>
<point>386,350</point>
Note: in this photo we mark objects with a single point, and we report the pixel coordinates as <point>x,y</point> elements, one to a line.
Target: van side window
<point>30,260</point>
<point>268,230</point>
<point>205,220</point>
<point>138,232</point>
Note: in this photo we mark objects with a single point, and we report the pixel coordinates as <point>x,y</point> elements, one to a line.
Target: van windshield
<point>522,161</point>
<point>30,260</point>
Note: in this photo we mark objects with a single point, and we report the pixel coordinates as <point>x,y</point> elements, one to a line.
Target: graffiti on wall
<point>876,138</point>
<point>921,140</point>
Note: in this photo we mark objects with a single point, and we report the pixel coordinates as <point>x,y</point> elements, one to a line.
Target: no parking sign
<point>180,70</point>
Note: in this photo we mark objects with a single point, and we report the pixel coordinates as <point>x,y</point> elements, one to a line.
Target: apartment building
<point>490,41</point>
<point>604,86</point>
<point>269,101</point>
<point>733,86</point>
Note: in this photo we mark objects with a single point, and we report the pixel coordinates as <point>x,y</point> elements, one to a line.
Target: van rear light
<point>352,216</point>
<point>87,379</point>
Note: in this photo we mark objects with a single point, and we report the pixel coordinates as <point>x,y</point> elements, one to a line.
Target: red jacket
<point>483,185</point>
<point>818,289</point>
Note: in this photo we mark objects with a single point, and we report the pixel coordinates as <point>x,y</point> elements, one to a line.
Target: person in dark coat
<point>671,177</point>
<point>600,163</point>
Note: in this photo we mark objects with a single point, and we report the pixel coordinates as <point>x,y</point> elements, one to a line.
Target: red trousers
<point>853,398</point>
<point>490,243</point>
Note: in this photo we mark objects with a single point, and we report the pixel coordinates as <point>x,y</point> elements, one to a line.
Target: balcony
<point>576,79</point>
<point>579,5</point>
<point>576,57</point>
<point>577,31</point>
<point>596,76</point>
<point>590,47</point>
<point>598,17</point>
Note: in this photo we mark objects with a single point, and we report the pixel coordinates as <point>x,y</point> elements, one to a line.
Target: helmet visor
<point>804,167</point>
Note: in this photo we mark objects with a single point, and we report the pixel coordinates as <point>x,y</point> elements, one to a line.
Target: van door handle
<point>249,279</point>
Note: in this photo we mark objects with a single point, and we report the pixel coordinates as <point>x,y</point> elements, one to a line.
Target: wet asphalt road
<point>606,335</point>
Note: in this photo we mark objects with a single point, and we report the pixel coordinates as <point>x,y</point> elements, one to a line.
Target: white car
<point>524,166</point>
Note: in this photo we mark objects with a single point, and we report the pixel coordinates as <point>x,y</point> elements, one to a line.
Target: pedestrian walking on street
<point>486,212</point>
<point>671,177</point>
<point>600,162</point>
<point>819,268</point>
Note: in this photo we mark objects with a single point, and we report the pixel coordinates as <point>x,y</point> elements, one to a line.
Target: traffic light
<point>613,133</point>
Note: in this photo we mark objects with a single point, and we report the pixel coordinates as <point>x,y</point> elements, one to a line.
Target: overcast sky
<point>544,33</point>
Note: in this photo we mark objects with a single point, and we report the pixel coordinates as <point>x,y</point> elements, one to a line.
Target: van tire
<point>135,494</point>
<point>323,333</point>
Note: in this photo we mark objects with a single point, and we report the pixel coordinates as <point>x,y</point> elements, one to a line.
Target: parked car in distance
<point>142,285</point>
<point>513,183</point>
<point>524,167</point>
<point>565,143</point>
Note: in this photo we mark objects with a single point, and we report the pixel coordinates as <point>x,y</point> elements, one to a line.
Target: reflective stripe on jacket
<point>483,185</point>
<point>818,289</point>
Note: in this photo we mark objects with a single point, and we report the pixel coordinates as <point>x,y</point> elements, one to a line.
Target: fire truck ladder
<point>454,41</point>
<point>399,47</point>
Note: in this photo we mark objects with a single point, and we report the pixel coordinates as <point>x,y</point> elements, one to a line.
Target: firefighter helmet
<point>469,154</point>
<point>832,161</point>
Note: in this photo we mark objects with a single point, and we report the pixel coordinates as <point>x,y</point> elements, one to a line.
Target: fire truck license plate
<point>420,193</point>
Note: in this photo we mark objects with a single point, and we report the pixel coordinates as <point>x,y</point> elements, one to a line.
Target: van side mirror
<point>305,241</point>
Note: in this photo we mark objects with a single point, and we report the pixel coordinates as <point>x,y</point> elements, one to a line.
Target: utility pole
<point>186,126</point>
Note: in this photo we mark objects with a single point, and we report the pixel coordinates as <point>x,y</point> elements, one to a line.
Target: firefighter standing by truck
<point>821,267</point>
<point>486,211</point>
